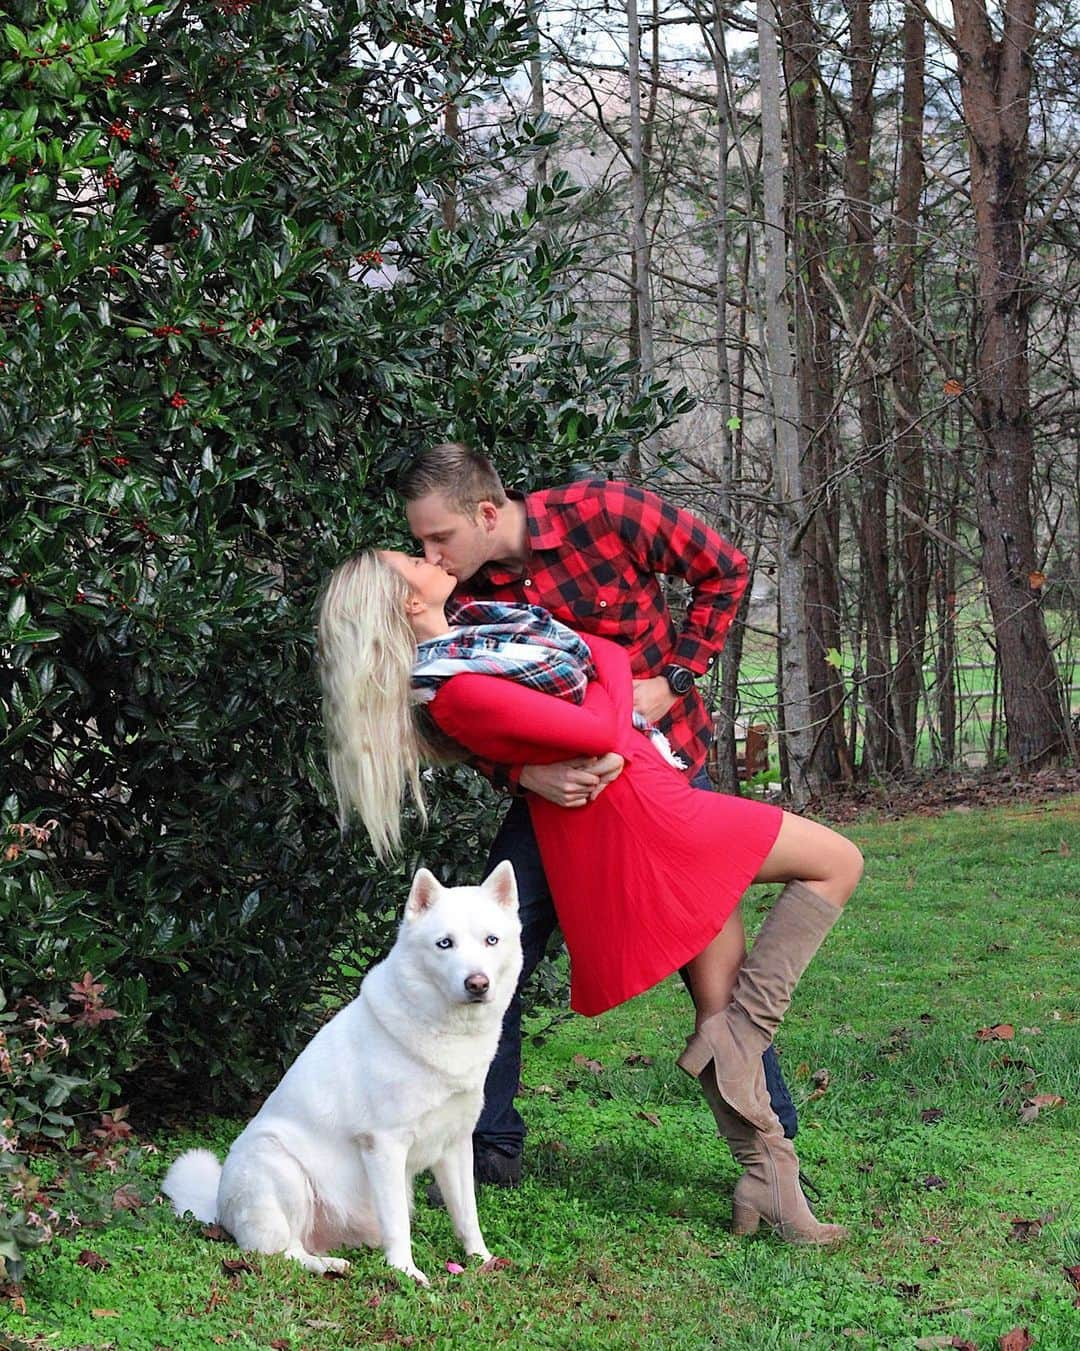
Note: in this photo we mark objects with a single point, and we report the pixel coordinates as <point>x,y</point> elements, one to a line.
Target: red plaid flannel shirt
<point>597,550</point>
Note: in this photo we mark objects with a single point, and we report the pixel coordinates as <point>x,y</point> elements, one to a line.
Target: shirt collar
<point>542,533</point>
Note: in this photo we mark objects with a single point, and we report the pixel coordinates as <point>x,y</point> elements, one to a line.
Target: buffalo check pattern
<point>598,549</point>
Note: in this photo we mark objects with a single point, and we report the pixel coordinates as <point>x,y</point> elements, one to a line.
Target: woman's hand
<point>572,783</point>
<point>607,769</point>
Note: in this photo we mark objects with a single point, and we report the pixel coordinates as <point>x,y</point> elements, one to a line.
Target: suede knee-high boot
<point>769,1188</point>
<point>733,1039</point>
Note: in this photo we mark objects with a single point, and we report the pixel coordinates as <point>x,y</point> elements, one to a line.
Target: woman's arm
<point>500,720</point>
<point>613,673</point>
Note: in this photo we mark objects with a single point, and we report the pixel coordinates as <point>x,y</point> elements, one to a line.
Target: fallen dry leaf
<point>236,1267</point>
<point>1019,1339</point>
<point>933,1183</point>
<point>953,388</point>
<point>280,1344</point>
<point>126,1198</point>
<point>593,1066</point>
<point>931,1115</point>
<point>496,1264</point>
<point>104,1313</point>
<point>1039,1103</point>
<point>1010,1062</point>
<point>819,1084</point>
<point>1023,1230</point>
<point>92,1261</point>
<point>956,1343</point>
<point>636,1060</point>
<point>908,1290</point>
<point>216,1234</point>
<point>1073,1273</point>
<point>999,1032</point>
<point>650,1117</point>
<point>216,1298</point>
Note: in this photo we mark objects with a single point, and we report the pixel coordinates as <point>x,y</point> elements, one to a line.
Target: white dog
<point>392,1085</point>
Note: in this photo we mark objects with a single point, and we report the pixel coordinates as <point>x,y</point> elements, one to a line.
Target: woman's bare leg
<point>807,852</point>
<point>713,972</point>
<point>802,852</point>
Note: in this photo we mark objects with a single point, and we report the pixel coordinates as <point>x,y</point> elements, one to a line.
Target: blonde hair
<point>366,650</point>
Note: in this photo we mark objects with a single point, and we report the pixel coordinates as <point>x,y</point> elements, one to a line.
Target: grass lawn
<point>618,1238</point>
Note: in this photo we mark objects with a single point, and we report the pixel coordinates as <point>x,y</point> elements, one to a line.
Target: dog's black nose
<point>477,984</point>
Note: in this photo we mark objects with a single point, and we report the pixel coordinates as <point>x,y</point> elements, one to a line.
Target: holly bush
<point>230,305</point>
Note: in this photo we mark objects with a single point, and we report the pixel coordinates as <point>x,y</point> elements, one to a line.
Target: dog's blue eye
<point>444,943</point>
<point>491,940</point>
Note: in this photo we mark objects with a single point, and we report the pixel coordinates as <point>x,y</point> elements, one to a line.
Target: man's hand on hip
<point>571,783</point>
<point>653,698</point>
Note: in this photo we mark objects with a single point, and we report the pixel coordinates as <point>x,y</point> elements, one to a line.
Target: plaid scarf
<point>520,642</point>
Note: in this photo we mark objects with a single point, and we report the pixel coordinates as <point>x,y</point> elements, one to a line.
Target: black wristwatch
<point>679,679</point>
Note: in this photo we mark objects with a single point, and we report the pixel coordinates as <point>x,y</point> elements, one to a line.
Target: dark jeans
<point>500,1123</point>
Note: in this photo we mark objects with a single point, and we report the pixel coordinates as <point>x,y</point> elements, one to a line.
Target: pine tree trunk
<point>796,709</point>
<point>995,85</point>
<point>800,46</point>
<point>880,747</point>
<point>913,581</point>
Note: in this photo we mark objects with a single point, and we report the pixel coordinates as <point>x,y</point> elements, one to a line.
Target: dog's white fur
<point>391,1085</point>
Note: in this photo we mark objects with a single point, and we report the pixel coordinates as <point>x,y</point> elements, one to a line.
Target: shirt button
<point>528,581</point>
<point>603,605</point>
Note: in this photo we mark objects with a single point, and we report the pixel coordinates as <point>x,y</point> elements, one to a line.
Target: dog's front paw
<point>409,1269</point>
<point>336,1264</point>
<point>480,1252</point>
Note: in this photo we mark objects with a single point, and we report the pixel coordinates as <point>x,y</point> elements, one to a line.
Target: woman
<point>644,877</point>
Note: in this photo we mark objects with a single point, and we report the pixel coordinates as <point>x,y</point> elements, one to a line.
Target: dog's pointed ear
<point>425,890</point>
<point>502,884</point>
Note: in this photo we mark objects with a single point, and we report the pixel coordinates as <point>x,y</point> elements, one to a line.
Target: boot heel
<point>744,1219</point>
<point>696,1056</point>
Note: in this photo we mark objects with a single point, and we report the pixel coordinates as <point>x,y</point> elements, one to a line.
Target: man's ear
<point>487,514</point>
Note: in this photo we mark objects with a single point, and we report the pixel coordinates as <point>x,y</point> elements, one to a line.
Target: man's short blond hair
<point>457,472</point>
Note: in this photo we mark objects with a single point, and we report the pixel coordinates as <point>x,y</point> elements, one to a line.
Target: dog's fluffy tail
<point>192,1184</point>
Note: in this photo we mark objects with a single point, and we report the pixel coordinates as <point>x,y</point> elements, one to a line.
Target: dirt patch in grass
<point>932,796</point>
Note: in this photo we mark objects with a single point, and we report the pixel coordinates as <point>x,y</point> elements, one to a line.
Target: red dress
<point>644,877</point>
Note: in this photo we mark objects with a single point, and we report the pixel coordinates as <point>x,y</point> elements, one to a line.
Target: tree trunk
<point>995,86</point>
<point>720,255</point>
<point>639,236</point>
<point>536,91</point>
<point>913,582</point>
<point>880,747</point>
<point>814,349</point>
<point>796,711</point>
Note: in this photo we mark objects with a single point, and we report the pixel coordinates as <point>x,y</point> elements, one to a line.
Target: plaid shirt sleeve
<point>666,539</point>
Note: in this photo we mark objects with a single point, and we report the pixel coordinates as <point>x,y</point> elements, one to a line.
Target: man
<point>591,553</point>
